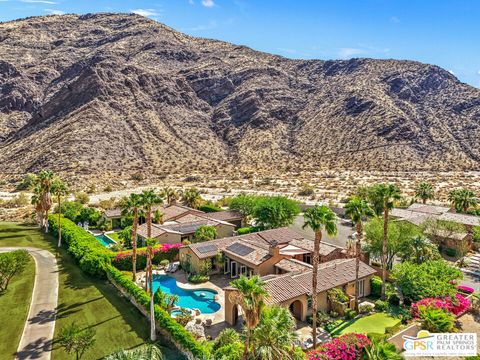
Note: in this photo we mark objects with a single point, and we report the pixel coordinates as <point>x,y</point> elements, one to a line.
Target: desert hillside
<point>120,94</point>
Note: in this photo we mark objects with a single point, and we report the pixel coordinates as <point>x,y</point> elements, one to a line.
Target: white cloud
<point>145,12</point>
<point>191,2</point>
<point>54,11</point>
<point>39,2</point>
<point>478,72</point>
<point>208,3</point>
<point>347,53</point>
<point>451,72</point>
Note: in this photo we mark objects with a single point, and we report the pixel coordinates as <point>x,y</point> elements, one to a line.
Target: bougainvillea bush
<point>345,347</point>
<point>465,289</point>
<point>456,307</point>
<point>123,260</point>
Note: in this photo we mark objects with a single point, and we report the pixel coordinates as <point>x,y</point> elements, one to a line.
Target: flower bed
<point>456,307</point>
<point>465,289</point>
<point>123,260</point>
<point>345,347</point>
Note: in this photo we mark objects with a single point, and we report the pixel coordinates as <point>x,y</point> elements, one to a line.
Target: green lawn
<point>375,323</point>
<point>114,236</point>
<point>15,303</point>
<point>89,302</point>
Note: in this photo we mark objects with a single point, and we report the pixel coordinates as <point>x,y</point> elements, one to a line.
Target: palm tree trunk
<point>59,222</point>
<point>134,244</point>
<point>384,249</point>
<point>424,200</point>
<point>46,221</point>
<point>149,233</point>
<point>357,261</point>
<point>316,260</point>
<point>153,335</point>
<point>246,344</point>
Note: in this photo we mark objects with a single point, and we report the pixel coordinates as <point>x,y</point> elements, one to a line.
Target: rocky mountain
<point>118,93</point>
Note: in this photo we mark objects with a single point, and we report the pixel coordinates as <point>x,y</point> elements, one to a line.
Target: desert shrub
<point>376,286</point>
<point>184,317</point>
<point>138,176</point>
<point>28,182</point>
<point>164,262</point>
<point>226,336</point>
<point>381,305</point>
<point>82,197</point>
<point>306,190</point>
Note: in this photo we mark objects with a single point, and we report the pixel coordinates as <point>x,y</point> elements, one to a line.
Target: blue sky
<point>442,32</point>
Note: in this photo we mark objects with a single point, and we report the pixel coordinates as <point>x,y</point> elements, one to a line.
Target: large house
<point>418,214</point>
<point>256,253</point>
<point>283,258</point>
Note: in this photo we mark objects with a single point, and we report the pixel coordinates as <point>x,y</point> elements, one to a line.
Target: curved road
<point>37,337</point>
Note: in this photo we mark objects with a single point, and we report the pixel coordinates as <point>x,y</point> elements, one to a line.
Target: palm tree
<point>45,179</point>
<point>424,191</point>
<point>169,194</point>
<point>251,296</point>
<point>357,209</point>
<point>462,199</point>
<point>386,194</point>
<point>145,352</point>
<point>318,218</point>
<point>36,201</point>
<point>132,206</point>
<point>59,189</point>
<point>148,199</point>
<point>191,198</point>
<point>274,337</point>
<point>150,244</point>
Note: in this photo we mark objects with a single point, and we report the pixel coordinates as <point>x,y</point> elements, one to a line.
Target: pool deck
<point>181,278</point>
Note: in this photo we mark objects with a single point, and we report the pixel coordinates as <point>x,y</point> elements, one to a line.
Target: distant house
<point>418,214</point>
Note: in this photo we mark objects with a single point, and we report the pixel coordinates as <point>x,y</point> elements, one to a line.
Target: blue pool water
<point>190,299</point>
<point>105,241</point>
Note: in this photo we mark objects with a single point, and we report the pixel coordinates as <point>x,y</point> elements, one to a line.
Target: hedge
<point>123,259</point>
<point>376,286</point>
<point>164,320</point>
<point>92,256</point>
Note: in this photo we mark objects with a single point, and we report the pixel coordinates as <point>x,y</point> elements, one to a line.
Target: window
<point>226,266</point>
<point>307,258</point>
<point>361,288</point>
<point>233,269</point>
<point>243,270</point>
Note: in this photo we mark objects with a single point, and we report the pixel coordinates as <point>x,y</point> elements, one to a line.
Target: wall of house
<point>195,262</point>
<point>224,231</point>
<point>169,238</point>
<point>300,308</point>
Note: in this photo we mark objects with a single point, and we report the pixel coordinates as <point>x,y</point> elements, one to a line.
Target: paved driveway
<point>37,337</point>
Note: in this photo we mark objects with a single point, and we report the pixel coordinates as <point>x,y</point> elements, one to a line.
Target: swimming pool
<point>104,240</point>
<point>201,299</point>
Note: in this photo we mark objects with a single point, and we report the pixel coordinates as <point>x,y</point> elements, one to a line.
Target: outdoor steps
<point>471,272</point>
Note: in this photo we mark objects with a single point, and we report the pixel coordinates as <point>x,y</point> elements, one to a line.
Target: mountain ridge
<point>123,93</point>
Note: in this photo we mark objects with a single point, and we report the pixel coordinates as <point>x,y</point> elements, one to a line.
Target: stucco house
<point>256,253</point>
<point>294,288</point>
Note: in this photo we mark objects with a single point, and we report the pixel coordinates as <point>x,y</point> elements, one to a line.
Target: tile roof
<point>293,265</point>
<point>419,213</point>
<point>428,209</point>
<point>461,218</point>
<point>220,244</point>
<point>227,215</point>
<point>282,288</point>
<point>256,256</point>
<point>335,273</point>
<point>111,213</point>
<point>156,230</point>
<point>325,248</point>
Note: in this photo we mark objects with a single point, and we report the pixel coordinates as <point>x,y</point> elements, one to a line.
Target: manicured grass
<point>87,301</point>
<point>375,323</point>
<point>114,236</point>
<point>15,303</point>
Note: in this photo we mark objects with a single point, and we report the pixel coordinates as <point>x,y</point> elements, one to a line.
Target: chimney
<point>273,249</point>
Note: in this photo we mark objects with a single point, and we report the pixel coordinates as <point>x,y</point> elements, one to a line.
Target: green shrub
<point>436,320</point>
<point>450,252</point>
<point>365,308</point>
<point>350,314</point>
<point>123,260</point>
<point>226,336</point>
<point>231,351</point>
<point>164,320</point>
<point>209,208</point>
<point>246,230</point>
<point>381,305</point>
<point>337,295</point>
<point>92,256</point>
<point>198,278</point>
<point>376,286</point>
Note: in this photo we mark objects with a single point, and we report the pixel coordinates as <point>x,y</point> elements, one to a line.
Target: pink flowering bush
<point>458,306</point>
<point>465,289</point>
<point>123,260</point>
<point>345,347</point>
